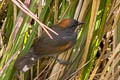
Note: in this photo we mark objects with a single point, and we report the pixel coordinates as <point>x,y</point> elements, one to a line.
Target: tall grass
<point>95,56</point>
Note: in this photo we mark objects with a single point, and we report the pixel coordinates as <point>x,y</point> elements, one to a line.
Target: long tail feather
<point>26,61</point>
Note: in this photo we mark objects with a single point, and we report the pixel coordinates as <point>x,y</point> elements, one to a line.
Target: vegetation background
<point>96,55</point>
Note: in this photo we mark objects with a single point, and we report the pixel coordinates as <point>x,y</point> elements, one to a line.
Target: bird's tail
<point>26,61</point>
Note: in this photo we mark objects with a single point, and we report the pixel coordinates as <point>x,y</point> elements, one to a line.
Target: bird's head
<point>69,23</point>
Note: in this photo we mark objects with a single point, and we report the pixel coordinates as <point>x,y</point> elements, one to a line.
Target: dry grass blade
<point>37,77</point>
<point>2,50</point>
<point>95,7</point>
<point>27,11</point>
<point>16,29</point>
<point>83,9</point>
<point>56,11</point>
<point>1,40</point>
<point>55,74</point>
<point>78,9</point>
<point>78,70</point>
<point>113,65</point>
<point>112,16</point>
<point>5,66</point>
<point>114,27</point>
<point>15,13</point>
<point>100,58</point>
<point>114,6</point>
<point>110,61</point>
<point>31,73</point>
<point>65,11</point>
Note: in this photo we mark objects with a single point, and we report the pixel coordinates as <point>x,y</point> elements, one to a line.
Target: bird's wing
<point>47,46</point>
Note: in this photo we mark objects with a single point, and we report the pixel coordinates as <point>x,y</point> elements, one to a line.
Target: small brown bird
<point>44,46</point>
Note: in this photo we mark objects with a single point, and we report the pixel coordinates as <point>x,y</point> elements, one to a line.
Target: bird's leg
<point>64,62</point>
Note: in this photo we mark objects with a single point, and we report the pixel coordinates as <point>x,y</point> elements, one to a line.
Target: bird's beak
<point>80,23</point>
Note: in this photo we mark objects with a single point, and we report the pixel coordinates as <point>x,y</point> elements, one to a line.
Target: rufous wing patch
<point>59,48</point>
<point>64,23</point>
<point>62,48</point>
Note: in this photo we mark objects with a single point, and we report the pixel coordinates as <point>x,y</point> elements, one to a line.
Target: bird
<point>45,46</point>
